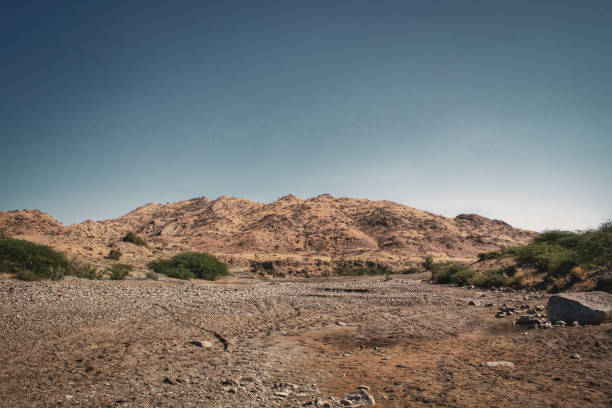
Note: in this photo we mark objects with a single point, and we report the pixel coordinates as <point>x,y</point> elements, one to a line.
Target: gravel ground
<point>288,343</point>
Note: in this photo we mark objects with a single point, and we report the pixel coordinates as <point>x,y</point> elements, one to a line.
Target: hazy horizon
<point>498,109</point>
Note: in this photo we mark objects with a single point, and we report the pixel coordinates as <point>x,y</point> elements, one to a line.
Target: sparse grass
<point>114,254</point>
<point>132,238</point>
<point>429,263</point>
<point>120,271</point>
<point>411,271</point>
<point>190,265</point>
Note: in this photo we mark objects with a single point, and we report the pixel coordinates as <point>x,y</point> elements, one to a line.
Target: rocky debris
<point>498,364</point>
<point>584,307</point>
<point>474,303</point>
<point>576,356</point>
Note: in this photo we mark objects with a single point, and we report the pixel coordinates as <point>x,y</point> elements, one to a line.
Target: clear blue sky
<point>502,108</point>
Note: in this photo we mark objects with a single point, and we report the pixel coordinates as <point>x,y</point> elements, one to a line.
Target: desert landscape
<point>305,204</point>
<point>285,327</point>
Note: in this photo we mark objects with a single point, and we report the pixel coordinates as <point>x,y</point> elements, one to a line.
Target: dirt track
<point>285,343</point>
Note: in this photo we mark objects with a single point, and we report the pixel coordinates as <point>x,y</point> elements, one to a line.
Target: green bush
<point>492,278</point>
<point>461,276</point>
<point>485,256</point>
<point>190,265</point>
<point>361,271</point>
<point>428,264</point>
<point>120,271</point>
<point>114,254</point>
<point>132,238</point>
<point>87,271</point>
<point>27,259</point>
<point>27,275</point>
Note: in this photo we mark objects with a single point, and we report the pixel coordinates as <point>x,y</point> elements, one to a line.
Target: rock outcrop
<point>583,307</point>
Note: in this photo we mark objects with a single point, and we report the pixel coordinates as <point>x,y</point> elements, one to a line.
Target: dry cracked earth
<point>288,343</point>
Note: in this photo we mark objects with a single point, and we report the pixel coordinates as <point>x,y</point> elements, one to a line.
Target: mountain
<point>289,234</point>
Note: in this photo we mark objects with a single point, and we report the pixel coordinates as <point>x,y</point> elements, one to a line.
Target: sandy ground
<point>287,343</point>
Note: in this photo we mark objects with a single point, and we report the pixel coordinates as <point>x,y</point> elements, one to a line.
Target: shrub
<point>27,275</point>
<point>429,263</point>
<point>190,265</point>
<point>120,271</point>
<point>152,275</point>
<point>461,276</point>
<point>114,254</point>
<point>18,256</point>
<point>485,256</point>
<point>492,278</point>
<point>132,238</point>
<point>411,271</point>
<point>87,271</point>
<point>361,271</point>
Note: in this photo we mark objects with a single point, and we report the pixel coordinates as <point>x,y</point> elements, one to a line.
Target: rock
<point>546,325</point>
<point>576,356</point>
<point>203,344</point>
<point>281,394</point>
<point>584,307</point>
<point>559,323</point>
<point>539,308</point>
<point>361,397</point>
<point>363,387</point>
<point>341,323</point>
<point>498,364</point>
<point>575,323</point>
<point>346,403</point>
<point>526,319</point>
<point>169,381</point>
<point>230,382</point>
<point>474,303</point>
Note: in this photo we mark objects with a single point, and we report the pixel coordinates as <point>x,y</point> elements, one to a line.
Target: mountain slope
<point>312,233</point>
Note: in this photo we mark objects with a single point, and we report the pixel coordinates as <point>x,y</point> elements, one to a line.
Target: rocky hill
<point>289,234</point>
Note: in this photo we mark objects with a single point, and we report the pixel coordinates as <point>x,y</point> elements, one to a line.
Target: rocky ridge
<point>289,234</point>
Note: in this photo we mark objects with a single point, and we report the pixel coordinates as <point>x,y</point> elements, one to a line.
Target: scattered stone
<point>361,397</point>
<point>341,323</point>
<point>559,323</point>
<point>167,380</point>
<point>576,356</point>
<point>230,382</point>
<point>474,303</point>
<point>530,320</point>
<point>363,387</point>
<point>203,344</point>
<point>498,364</point>
<point>346,403</point>
<point>575,323</point>
<point>546,325</point>
<point>584,307</point>
<point>282,394</point>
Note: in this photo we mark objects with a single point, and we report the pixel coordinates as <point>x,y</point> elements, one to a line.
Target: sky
<point>500,108</point>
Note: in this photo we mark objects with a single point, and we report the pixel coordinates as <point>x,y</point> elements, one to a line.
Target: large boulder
<point>584,307</point>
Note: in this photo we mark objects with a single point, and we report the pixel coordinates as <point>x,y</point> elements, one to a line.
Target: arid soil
<point>290,235</point>
<point>287,343</point>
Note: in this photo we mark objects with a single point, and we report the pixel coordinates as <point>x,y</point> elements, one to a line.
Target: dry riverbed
<point>288,343</point>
